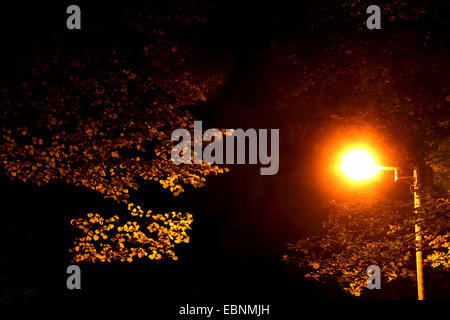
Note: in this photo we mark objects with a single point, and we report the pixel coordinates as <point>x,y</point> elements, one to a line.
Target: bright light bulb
<point>359,165</point>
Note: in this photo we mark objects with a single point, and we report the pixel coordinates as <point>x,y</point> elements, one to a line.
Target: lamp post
<point>415,188</point>
<point>419,259</point>
<point>359,165</point>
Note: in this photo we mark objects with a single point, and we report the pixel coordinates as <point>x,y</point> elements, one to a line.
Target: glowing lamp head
<point>359,165</point>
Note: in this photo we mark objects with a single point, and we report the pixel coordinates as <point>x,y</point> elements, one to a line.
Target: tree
<point>101,118</point>
<point>376,231</point>
<point>354,12</point>
<point>395,90</point>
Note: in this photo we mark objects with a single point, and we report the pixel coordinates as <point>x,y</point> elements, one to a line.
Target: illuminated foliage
<point>397,88</point>
<point>146,235</point>
<point>102,117</point>
<point>354,11</point>
<point>89,129</point>
<point>374,231</point>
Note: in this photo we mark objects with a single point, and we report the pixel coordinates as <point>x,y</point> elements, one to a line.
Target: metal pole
<point>419,259</point>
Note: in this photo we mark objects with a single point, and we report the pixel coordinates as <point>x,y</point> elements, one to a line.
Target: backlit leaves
<point>381,232</point>
<point>101,118</point>
<point>144,235</point>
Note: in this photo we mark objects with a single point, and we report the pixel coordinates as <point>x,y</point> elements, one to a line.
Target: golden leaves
<point>107,143</point>
<point>315,265</point>
<point>126,241</point>
<point>440,256</point>
<point>64,141</point>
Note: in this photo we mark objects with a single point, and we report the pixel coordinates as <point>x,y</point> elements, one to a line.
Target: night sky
<point>243,221</point>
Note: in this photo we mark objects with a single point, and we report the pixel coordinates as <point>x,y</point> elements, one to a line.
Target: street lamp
<point>358,165</point>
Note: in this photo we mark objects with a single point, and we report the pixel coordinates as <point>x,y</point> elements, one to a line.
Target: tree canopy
<point>394,91</point>
<point>101,117</point>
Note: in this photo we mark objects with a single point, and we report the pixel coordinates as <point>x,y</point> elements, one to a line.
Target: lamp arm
<point>387,168</point>
<point>407,179</point>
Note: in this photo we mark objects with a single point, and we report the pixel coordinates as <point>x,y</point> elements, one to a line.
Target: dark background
<point>242,221</point>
